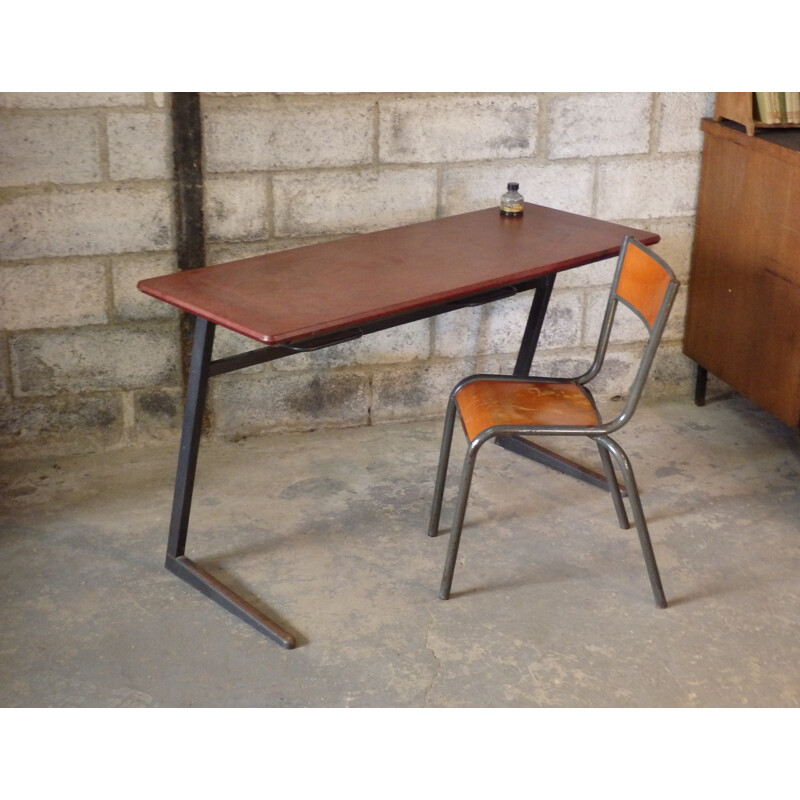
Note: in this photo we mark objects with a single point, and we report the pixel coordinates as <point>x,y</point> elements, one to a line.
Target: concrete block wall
<point>86,210</point>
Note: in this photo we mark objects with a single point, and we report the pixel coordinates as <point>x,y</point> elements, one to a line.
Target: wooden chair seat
<point>485,404</point>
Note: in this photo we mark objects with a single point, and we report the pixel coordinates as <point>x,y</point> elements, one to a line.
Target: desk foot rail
<point>526,448</point>
<point>206,583</point>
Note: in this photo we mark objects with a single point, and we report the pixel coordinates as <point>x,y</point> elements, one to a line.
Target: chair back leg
<point>624,464</point>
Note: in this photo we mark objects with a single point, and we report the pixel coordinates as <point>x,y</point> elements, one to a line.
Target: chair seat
<point>486,403</point>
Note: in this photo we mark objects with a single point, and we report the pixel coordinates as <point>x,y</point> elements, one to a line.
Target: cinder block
<point>236,207</point>
<point>126,272</point>
<point>249,404</point>
<point>71,99</point>
<point>495,364</point>
<point>27,421</point>
<point>94,359</point>
<point>585,125</point>
<point>49,148</point>
<point>565,186</point>
<point>87,221</point>
<point>643,189</point>
<point>675,247</point>
<point>448,129</point>
<point>409,392</point>
<point>351,202</point>
<point>506,320</point>
<point>158,411</point>
<point>299,135</point>
<point>52,295</point>
<point>139,145</point>
<point>457,334</point>
<point>672,374</point>
<point>679,122</point>
<point>562,324</point>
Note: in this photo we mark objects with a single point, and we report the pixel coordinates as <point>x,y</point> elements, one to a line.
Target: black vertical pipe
<point>187,150</point>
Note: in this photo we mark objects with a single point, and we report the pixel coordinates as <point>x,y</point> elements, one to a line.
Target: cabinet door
<point>743,315</point>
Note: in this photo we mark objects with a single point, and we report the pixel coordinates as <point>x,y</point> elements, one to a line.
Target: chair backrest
<point>644,283</point>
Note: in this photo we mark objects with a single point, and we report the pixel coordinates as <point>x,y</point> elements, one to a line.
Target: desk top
<point>319,289</point>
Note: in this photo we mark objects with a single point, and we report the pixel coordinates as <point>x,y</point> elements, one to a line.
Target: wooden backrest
<point>643,282</point>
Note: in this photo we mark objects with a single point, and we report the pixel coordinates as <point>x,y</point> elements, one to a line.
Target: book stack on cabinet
<point>759,109</point>
<point>778,108</point>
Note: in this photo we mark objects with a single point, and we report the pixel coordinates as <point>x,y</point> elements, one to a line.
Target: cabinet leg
<point>700,380</point>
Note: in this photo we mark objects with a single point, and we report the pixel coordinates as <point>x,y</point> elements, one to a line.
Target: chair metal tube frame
<point>609,449</point>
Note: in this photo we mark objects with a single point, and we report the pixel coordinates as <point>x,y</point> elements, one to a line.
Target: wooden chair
<point>495,405</point>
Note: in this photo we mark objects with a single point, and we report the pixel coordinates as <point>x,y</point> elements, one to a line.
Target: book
<point>793,108</point>
<point>777,108</point>
<point>773,108</point>
<point>764,107</point>
<point>781,106</point>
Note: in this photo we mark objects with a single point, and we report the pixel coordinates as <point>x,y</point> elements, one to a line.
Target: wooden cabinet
<point>743,314</point>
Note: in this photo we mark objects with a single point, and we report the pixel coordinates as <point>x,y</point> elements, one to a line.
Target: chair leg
<point>441,472</point>
<point>458,521</point>
<point>613,486</point>
<point>638,517</point>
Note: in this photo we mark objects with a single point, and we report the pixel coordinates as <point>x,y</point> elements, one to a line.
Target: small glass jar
<point>511,203</point>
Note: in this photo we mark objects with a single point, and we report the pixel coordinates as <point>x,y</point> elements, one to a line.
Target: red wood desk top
<point>324,288</point>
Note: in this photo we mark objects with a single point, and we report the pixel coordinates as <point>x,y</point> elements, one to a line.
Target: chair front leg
<point>458,521</point>
<point>613,486</point>
<point>638,517</point>
<point>441,472</point>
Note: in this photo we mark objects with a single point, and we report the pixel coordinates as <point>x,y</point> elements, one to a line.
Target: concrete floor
<point>325,531</point>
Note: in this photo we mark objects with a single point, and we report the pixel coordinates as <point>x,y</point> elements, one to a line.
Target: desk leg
<point>527,350</point>
<point>533,328</point>
<point>700,383</point>
<point>176,561</point>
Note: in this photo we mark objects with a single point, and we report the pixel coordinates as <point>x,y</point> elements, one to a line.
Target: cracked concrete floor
<point>325,531</point>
